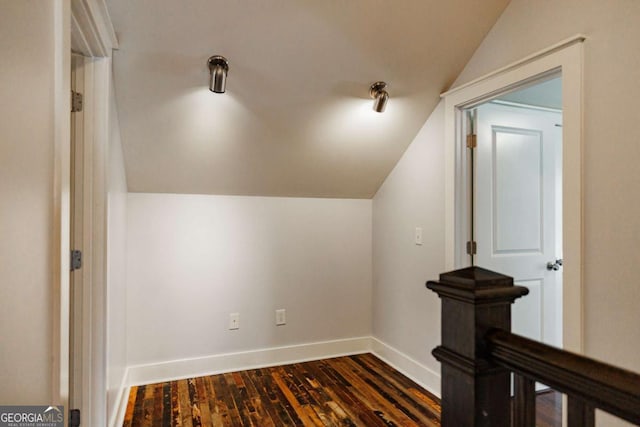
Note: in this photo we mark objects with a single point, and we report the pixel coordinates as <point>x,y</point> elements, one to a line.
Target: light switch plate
<point>418,236</point>
<point>234,321</point>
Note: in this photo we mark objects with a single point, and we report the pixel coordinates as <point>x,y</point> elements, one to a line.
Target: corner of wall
<point>116,414</point>
<point>406,317</point>
<point>411,368</point>
<point>117,369</point>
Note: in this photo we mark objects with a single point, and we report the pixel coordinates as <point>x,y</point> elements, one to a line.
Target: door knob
<point>555,266</point>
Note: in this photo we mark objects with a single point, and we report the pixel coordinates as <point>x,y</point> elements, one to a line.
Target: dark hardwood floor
<point>358,390</point>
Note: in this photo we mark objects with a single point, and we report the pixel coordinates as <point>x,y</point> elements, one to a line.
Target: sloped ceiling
<point>296,119</point>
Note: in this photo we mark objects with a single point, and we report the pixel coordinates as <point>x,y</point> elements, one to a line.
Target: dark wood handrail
<point>478,355</point>
<point>615,390</point>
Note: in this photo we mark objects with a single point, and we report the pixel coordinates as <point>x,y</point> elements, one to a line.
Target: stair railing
<point>478,354</point>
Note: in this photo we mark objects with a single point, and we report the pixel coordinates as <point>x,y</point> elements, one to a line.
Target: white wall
<point>406,315</point>
<point>27,137</point>
<point>116,265</point>
<point>193,259</point>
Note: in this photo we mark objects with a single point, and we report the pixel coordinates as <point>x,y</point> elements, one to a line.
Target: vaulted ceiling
<point>296,119</point>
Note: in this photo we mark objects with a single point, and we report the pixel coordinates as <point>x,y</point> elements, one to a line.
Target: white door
<point>517,221</point>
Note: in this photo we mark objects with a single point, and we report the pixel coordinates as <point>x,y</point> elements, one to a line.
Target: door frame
<point>566,58</point>
<point>82,26</point>
<point>90,315</point>
<point>79,229</point>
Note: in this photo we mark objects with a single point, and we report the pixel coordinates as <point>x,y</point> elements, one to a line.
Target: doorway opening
<point>500,90</point>
<point>514,161</point>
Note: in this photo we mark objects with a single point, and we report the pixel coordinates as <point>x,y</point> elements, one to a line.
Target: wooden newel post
<point>475,392</point>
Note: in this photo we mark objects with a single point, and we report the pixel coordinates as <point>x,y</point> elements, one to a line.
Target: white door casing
<point>515,212</point>
<point>84,27</point>
<point>564,57</point>
<point>77,333</point>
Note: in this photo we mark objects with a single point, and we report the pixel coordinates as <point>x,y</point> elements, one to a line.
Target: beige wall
<point>26,215</point>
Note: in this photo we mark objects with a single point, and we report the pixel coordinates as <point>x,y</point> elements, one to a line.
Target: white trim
<point>566,57</point>
<point>230,362</point>
<point>97,118</point>
<point>526,106</point>
<point>61,205</point>
<point>88,281</point>
<point>406,365</point>
<point>92,33</point>
<point>92,319</point>
<point>88,31</point>
<point>122,399</point>
<point>92,312</point>
<point>577,38</point>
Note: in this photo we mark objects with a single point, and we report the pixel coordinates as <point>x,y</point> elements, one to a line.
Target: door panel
<point>515,210</point>
<point>517,183</point>
<point>527,312</point>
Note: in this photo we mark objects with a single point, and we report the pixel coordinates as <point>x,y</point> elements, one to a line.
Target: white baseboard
<point>411,368</point>
<point>229,362</point>
<point>120,408</point>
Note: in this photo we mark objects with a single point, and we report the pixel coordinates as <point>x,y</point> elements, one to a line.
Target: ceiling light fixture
<point>380,95</point>
<point>218,67</point>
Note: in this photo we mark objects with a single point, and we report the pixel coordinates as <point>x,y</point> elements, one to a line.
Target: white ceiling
<point>297,119</point>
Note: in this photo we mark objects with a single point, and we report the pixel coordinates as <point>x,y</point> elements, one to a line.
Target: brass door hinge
<point>472,247</point>
<point>76,260</point>
<point>76,101</point>
<point>74,418</point>
<point>472,140</point>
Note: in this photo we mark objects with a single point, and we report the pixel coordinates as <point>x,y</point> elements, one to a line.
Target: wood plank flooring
<point>358,390</point>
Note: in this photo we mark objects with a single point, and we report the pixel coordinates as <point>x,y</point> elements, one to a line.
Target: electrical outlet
<point>281,317</point>
<point>234,321</point>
